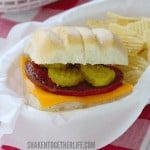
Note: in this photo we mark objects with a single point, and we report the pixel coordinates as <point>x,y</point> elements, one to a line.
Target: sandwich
<point>68,67</point>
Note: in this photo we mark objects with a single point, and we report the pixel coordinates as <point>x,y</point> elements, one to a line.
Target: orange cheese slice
<point>47,99</point>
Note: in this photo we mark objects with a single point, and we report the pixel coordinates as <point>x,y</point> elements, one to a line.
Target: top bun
<point>81,45</point>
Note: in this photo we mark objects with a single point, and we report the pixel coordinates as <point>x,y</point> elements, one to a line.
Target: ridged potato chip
<point>135,68</point>
<point>139,26</point>
<point>121,19</point>
<point>147,39</point>
<point>99,23</point>
<point>144,54</point>
<point>139,62</point>
<point>132,76</point>
<point>133,42</point>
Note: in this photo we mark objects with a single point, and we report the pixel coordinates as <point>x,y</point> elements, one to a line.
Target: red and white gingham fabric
<point>137,137</point>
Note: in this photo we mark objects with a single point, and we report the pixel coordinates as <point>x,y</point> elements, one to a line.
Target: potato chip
<point>135,68</point>
<point>139,26</point>
<point>121,19</point>
<point>134,43</point>
<point>119,29</point>
<point>99,23</point>
<point>132,76</point>
<point>138,61</point>
<point>147,39</point>
<point>144,54</point>
<point>123,30</point>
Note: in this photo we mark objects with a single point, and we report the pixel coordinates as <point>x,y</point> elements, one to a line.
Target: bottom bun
<point>34,102</point>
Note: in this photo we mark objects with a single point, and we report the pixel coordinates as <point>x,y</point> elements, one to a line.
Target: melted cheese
<point>47,99</point>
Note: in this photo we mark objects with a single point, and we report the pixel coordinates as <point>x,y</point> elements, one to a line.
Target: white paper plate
<point>101,124</point>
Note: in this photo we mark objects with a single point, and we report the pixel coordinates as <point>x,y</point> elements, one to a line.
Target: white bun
<point>34,102</point>
<point>80,45</point>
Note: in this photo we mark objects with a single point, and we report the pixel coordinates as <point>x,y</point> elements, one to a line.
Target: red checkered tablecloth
<point>137,137</point>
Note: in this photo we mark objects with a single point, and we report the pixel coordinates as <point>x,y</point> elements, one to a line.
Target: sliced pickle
<point>65,76</point>
<point>98,75</point>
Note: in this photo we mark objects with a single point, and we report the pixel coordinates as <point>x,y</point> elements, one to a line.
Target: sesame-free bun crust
<point>66,44</point>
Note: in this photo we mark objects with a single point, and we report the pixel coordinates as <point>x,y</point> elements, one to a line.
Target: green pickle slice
<point>65,75</point>
<point>57,66</point>
<point>98,75</point>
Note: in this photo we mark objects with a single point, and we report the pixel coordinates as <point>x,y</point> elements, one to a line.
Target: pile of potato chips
<point>135,35</point>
